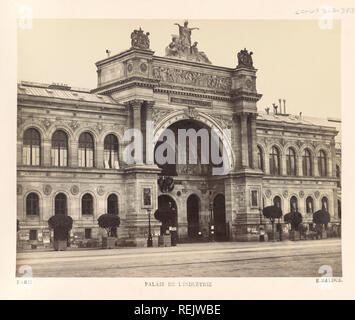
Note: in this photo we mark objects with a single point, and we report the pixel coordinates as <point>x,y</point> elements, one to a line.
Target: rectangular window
<point>254,198</point>
<point>33,234</point>
<point>87,233</point>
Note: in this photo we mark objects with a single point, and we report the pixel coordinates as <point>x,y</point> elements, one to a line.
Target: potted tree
<point>321,218</point>
<point>294,218</point>
<point>109,222</point>
<point>272,213</point>
<point>166,215</point>
<point>61,224</point>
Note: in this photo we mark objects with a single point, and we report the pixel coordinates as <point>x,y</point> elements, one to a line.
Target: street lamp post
<point>150,239</point>
<point>212,222</point>
<point>261,228</point>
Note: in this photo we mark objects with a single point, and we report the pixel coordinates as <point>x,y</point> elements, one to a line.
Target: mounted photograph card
<point>180,157</point>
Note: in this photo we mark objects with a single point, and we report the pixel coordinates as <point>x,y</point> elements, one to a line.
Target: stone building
<point>70,146</point>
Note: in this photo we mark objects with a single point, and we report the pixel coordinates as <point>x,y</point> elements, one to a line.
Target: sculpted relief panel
<point>199,79</point>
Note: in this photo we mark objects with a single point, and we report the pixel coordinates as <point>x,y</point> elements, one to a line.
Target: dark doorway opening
<point>167,202</point>
<point>219,213</point>
<point>193,208</point>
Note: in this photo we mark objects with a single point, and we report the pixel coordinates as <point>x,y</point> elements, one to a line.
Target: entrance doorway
<point>219,214</point>
<point>193,208</point>
<point>167,203</point>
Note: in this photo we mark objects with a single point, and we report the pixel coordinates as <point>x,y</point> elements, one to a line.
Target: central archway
<point>203,121</point>
<point>193,209</point>
<point>191,148</point>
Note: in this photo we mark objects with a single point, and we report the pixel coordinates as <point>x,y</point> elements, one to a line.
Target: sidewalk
<point>185,247</point>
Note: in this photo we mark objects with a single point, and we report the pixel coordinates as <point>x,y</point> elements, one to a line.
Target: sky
<point>296,59</point>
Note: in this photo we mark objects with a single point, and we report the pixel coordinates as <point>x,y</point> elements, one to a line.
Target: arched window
<point>293,204</point>
<point>112,204</point>
<point>325,204</point>
<point>59,149</point>
<point>31,148</point>
<point>322,163</point>
<point>307,163</point>
<point>309,205</point>
<point>277,202</point>
<point>111,152</point>
<point>86,150</point>
<point>274,161</point>
<point>337,172</point>
<point>60,204</point>
<point>32,204</point>
<point>87,205</point>
<point>291,162</point>
<point>260,159</point>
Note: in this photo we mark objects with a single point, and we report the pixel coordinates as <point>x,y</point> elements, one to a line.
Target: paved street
<point>228,259</point>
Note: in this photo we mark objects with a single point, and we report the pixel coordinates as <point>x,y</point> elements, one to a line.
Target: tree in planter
<point>109,221</point>
<point>61,224</point>
<point>272,213</point>
<point>321,218</point>
<point>294,218</point>
<point>166,215</point>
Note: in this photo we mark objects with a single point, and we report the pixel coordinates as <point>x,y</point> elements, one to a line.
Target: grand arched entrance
<point>203,153</point>
<point>219,217</point>
<point>193,209</point>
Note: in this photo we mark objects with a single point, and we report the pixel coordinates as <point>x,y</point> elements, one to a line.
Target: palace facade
<point>70,145</point>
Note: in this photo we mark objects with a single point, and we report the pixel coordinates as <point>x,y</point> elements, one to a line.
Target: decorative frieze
<point>191,78</point>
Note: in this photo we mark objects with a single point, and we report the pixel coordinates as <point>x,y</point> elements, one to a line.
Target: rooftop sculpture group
<point>181,47</point>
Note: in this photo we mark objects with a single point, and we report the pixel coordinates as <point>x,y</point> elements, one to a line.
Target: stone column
<point>46,152</point>
<point>148,139</point>
<point>73,154</point>
<point>299,166</point>
<point>315,166</point>
<point>283,169</point>
<point>99,155</point>
<point>253,140</point>
<point>244,140</point>
<point>136,107</point>
<point>331,161</point>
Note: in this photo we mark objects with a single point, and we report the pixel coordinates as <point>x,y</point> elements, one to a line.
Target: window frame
<point>31,145</point>
<point>87,205</point>
<point>113,147</point>
<point>88,139</point>
<point>307,157</point>
<point>58,145</point>
<point>116,208</point>
<point>322,163</point>
<point>272,156</point>
<point>291,170</point>
<point>59,200</point>
<point>34,205</point>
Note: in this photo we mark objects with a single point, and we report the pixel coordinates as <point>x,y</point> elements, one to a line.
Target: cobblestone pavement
<point>223,259</point>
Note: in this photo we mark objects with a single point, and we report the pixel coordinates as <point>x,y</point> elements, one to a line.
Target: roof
<point>62,92</point>
<point>305,120</point>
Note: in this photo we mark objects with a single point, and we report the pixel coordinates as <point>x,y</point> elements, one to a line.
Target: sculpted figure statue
<point>244,59</point>
<point>172,49</point>
<point>140,40</point>
<point>181,47</point>
<point>185,35</point>
<point>199,55</point>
